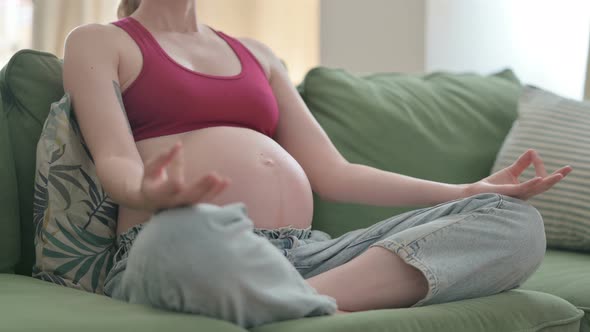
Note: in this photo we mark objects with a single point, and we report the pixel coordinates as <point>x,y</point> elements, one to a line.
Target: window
<point>15,27</point>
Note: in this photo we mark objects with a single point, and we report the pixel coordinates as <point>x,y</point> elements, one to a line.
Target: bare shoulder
<point>96,42</point>
<point>94,36</point>
<point>92,49</point>
<point>95,45</point>
<point>256,45</point>
<point>263,53</point>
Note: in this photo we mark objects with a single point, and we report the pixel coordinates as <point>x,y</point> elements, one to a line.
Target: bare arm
<point>91,78</point>
<point>368,185</point>
<point>330,174</point>
<point>336,179</point>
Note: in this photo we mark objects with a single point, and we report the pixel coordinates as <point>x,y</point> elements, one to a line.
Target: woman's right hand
<point>163,185</point>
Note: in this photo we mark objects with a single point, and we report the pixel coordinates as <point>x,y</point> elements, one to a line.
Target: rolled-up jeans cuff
<point>407,254</point>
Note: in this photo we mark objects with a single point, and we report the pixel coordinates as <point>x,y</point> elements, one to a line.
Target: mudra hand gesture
<point>164,186</point>
<point>506,180</point>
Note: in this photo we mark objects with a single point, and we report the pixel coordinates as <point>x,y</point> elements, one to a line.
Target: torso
<point>264,176</point>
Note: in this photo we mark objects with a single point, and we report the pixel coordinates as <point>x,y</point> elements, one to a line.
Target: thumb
<point>154,167</point>
<point>520,189</point>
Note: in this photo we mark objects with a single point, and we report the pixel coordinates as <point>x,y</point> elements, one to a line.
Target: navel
<point>266,161</point>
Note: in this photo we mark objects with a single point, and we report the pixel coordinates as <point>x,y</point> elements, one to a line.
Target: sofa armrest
<point>9,211</point>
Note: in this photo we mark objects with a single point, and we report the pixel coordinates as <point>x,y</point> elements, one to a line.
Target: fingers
<point>545,185</point>
<point>519,190</point>
<point>550,181</point>
<point>539,165</point>
<point>175,170</point>
<point>196,190</point>
<point>532,156</point>
<point>169,172</point>
<point>553,179</point>
<point>564,171</point>
<point>164,181</point>
<point>216,190</point>
<point>155,166</point>
<point>522,163</point>
<point>206,188</point>
<point>536,185</point>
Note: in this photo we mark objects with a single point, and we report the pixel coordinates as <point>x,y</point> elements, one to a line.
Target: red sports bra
<point>167,98</point>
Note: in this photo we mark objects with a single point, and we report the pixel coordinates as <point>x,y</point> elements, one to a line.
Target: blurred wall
<point>54,19</point>
<point>373,35</point>
<point>544,41</point>
<point>290,28</point>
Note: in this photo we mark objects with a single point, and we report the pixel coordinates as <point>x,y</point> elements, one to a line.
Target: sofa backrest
<point>9,212</point>
<point>440,126</point>
<point>29,83</point>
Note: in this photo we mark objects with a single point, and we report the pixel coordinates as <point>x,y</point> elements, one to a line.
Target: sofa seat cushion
<point>515,310</point>
<point>28,304</point>
<point>567,275</point>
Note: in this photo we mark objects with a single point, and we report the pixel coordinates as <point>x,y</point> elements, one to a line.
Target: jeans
<point>210,260</point>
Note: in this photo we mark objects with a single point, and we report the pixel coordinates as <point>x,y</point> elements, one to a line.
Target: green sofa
<point>556,298</point>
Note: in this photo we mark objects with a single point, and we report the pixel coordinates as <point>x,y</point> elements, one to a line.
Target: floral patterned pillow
<point>75,220</point>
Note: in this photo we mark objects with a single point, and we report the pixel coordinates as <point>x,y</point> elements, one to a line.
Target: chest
<point>206,55</point>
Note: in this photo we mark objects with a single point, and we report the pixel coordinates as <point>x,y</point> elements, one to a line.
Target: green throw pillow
<point>74,219</point>
<point>559,129</point>
<point>441,126</point>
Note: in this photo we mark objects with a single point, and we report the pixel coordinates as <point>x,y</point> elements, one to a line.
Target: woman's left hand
<point>506,181</point>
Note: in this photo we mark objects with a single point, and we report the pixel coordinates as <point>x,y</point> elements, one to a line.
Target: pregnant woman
<point>212,156</point>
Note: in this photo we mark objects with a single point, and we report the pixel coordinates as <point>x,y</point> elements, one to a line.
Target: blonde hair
<point>127,7</point>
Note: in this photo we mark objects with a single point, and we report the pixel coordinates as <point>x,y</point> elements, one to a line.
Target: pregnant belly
<point>265,177</point>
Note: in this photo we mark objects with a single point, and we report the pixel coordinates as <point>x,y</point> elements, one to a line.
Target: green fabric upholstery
<point>29,304</point>
<point>30,82</point>
<point>511,311</point>
<point>567,275</point>
<point>443,127</point>
<point>469,117</point>
<point>9,217</point>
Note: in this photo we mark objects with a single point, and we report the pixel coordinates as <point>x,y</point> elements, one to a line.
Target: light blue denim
<point>209,260</point>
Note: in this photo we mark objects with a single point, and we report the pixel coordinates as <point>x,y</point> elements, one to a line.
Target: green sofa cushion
<point>567,275</point>
<point>30,82</point>
<point>443,127</point>
<point>511,311</point>
<point>9,218</point>
<point>29,304</point>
